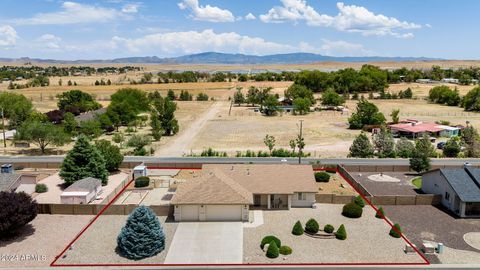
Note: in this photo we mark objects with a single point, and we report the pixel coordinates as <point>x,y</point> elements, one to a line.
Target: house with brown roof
<point>226,192</point>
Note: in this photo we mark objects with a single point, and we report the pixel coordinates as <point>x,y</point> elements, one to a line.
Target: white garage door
<point>189,213</point>
<point>224,212</point>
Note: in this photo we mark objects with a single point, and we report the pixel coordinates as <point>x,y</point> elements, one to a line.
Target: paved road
<point>345,161</point>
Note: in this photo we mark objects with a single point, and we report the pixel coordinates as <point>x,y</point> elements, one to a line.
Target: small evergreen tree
<point>451,148</point>
<point>361,147</point>
<point>359,201</point>
<point>142,236</point>
<point>297,228</point>
<point>84,160</point>
<point>384,143</point>
<point>396,231</point>
<point>341,233</point>
<point>404,148</point>
<point>272,251</point>
<point>380,213</point>
<point>111,153</point>
<point>312,226</point>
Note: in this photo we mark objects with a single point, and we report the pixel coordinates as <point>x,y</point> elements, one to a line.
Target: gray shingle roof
<point>87,116</point>
<point>85,184</point>
<point>7,179</point>
<point>465,182</point>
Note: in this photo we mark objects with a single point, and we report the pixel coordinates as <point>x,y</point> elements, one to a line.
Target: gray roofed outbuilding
<point>85,184</point>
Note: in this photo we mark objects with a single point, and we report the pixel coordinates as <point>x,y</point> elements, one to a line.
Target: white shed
<point>82,191</point>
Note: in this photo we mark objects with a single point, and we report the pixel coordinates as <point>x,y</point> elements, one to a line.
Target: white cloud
<point>73,13</point>
<point>350,18</point>
<point>180,43</point>
<point>8,36</point>
<point>130,8</point>
<point>250,17</point>
<point>206,13</point>
<point>50,41</point>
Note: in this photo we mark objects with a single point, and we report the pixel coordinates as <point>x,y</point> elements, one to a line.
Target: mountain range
<point>227,58</point>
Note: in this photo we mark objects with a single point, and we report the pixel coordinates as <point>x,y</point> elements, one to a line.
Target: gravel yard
<point>97,245</point>
<point>46,236</point>
<point>389,187</point>
<point>367,238</point>
<point>426,222</point>
<point>336,185</point>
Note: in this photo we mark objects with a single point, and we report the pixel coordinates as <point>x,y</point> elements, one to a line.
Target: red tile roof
<point>417,127</point>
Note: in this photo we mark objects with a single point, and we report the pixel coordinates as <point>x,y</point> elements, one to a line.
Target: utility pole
<point>300,143</point>
<point>3,128</point>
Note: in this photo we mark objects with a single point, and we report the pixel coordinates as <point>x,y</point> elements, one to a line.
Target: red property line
<point>54,264</point>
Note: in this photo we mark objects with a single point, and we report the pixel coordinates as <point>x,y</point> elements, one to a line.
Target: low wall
<point>333,198</point>
<point>353,181</point>
<point>95,209</point>
<point>420,199</point>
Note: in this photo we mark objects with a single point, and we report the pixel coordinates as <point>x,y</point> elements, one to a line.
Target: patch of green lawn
<point>417,182</point>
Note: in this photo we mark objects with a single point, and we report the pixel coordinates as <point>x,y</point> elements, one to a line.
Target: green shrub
<point>312,226</point>
<point>322,177</point>
<point>352,210</point>
<point>396,231</point>
<point>380,213</point>
<point>142,181</point>
<point>297,228</point>
<point>285,250</point>
<point>272,251</point>
<point>359,201</point>
<point>41,188</point>
<point>341,233</point>
<point>328,228</point>
<point>270,238</point>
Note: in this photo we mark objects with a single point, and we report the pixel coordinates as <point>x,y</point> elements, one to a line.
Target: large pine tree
<point>84,160</point>
<point>142,236</point>
<point>361,147</point>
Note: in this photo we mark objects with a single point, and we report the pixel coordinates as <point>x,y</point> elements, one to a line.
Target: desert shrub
<point>380,213</point>
<point>328,228</point>
<point>352,210</point>
<point>272,251</point>
<point>269,238</point>
<point>285,250</point>
<point>312,226</point>
<point>41,188</point>
<point>341,233</point>
<point>17,210</point>
<point>322,177</point>
<point>142,236</point>
<point>142,181</point>
<point>297,228</point>
<point>396,231</point>
<point>359,201</point>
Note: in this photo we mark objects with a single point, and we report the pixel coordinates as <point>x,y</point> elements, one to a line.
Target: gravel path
<point>46,236</point>
<point>97,245</point>
<point>367,238</point>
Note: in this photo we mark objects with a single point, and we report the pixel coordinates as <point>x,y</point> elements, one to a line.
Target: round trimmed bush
<point>41,188</point>
<point>328,228</point>
<point>272,251</point>
<point>268,239</point>
<point>322,177</point>
<point>396,231</point>
<point>142,181</point>
<point>341,233</point>
<point>380,213</point>
<point>285,250</point>
<point>312,226</point>
<point>297,228</point>
<point>352,210</point>
<point>359,201</point>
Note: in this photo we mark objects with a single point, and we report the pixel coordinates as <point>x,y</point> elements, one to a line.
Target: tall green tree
<point>404,148</point>
<point>471,101</point>
<point>301,106</point>
<point>238,97</point>
<point>165,109</point>
<point>395,116</point>
<point>76,98</point>
<point>156,126</point>
<point>84,160</point>
<point>69,123</point>
<point>452,147</point>
<point>332,98</point>
<point>269,141</point>
<point>384,143</point>
<point>111,153</point>
<point>420,160</point>
<point>270,105</point>
<point>299,91</point>
<point>367,114</point>
<point>16,108</point>
<point>42,134</point>
<point>470,139</point>
<point>361,147</point>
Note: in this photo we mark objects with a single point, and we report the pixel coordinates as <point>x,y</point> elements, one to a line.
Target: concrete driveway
<point>207,243</point>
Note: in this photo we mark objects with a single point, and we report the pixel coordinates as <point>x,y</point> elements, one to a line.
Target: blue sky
<point>120,28</point>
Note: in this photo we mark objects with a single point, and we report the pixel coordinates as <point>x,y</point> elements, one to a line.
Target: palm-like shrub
<point>352,210</point>
<point>297,228</point>
<point>17,209</point>
<point>396,231</point>
<point>142,236</point>
<point>272,251</point>
<point>341,233</point>
<point>312,226</point>
<point>268,239</point>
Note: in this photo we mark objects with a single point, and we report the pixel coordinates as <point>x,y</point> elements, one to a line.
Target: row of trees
<point>446,96</point>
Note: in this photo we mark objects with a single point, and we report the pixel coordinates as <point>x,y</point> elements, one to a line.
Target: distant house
<point>225,192</point>
<point>415,129</point>
<point>450,80</point>
<point>425,81</point>
<point>87,116</point>
<point>460,189</point>
<point>82,191</point>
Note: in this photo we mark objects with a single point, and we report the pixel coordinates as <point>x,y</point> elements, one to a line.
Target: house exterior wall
<point>308,202</point>
<point>435,183</point>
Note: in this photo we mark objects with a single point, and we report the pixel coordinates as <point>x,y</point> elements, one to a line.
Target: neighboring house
<point>82,191</point>
<point>226,192</point>
<point>450,80</point>
<point>415,129</point>
<point>9,181</point>
<point>460,189</point>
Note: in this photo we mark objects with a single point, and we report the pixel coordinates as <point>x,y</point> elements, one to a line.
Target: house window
<point>302,196</point>
<point>447,196</point>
